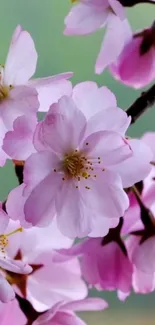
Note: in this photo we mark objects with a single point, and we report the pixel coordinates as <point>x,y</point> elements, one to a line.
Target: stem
<point>145,101</point>
<point>131,3</point>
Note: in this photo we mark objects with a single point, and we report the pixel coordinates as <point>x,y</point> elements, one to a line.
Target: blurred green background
<point>58,53</point>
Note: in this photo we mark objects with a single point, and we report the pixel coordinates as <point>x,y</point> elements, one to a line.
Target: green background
<point>59,53</point>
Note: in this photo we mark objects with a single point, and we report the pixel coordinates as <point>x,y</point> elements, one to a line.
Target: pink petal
<point>112,45</point>
<point>102,226</point>
<point>149,139</point>
<point>143,282</point>
<point>143,256</point>
<point>3,155</point>
<point>112,119</point>
<point>59,130</point>
<point>48,282</point>
<point>6,291</point>
<point>118,9</point>
<point>84,19</point>
<point>21,60</point>
<point>51,89</point>
<point>4,220</point>
<point>44,82</point>
<point>65,318</point>
<point>18,144</point>
<point>14,265</point>
<point>131,64</point>
<point>106,197</point>
<point>37,167</point>
<point>111,147</point>
<point>16,316</point>
<point>52,93</point>
<point>23,100</point>
<point>40,206</point>
<point>86,304</point>
<point>115,268</point>
<point>91,100</point>
<point>71,210</point>
<point>15,205</point>
<point>136,167</point>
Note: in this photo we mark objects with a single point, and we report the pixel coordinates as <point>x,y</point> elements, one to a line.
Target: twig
<point>145,101</point>
<point>131,3</point>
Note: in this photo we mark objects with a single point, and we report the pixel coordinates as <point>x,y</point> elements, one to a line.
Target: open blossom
<point>6,262</point>
<point>81,166</point>
<point>87,16</point>
<point>45,286</point>
<point>19,95</point>
<point>11,313</point>
<point>135,66</point>
<point>64,313</point>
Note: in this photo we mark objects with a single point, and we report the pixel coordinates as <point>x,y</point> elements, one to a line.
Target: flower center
<point>74,165</point>
<point>4,239</point>
<point>4,92</point>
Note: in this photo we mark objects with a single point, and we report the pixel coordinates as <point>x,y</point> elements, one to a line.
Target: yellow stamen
<point>13,232</point>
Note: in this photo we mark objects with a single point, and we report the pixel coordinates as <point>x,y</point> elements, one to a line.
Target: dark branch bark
<point>30,313</point>
<point>145,101</point>
<point>131,3</point>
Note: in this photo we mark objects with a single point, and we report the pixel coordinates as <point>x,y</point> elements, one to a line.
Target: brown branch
<point>26,307</point>
<point>131,3</point>
<point>145,101</point>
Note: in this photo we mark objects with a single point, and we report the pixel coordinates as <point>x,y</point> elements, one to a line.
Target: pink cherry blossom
<point>92,139</point>
<point>19,95</point>
<point>64,313</point>
<point>135,66</point>
<point>11,313</point>
<point>45,286</point>
<point>87,16</point>
<point>104,266</point>
<point>6,262</point>
<point>63,168</point>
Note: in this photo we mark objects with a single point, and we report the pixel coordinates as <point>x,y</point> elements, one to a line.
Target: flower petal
<point>136,167</point>
<point>91,99</point>
<point>6,291</point>
<point>40,206</point>
<point>74,219</point>
<point>105,197</point>
<point>91,304</point>
<point>112,119</point>
<point>23,100</point>
<point>84,19</point>
<point>18,144</point>
<point>110,147</point>
<point>14,265</point>
<point>112,45</point>
<point>21,60</point>
<point>37,167</point>
<point>63,126</point>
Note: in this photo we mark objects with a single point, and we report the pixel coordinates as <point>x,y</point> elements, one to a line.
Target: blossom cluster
<point>80,177</point>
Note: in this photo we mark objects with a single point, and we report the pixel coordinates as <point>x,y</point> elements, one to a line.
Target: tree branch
<point>145,101</point>
<point>131,3</point>
<point>26,307</point>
